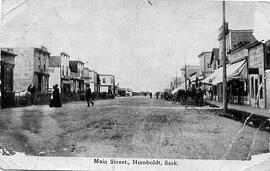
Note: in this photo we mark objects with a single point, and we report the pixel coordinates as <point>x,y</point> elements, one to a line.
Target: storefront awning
<point>210,78</point>
<point>234,71</point>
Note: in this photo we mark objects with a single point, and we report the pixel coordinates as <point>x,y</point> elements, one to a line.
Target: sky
<point>143,44</point>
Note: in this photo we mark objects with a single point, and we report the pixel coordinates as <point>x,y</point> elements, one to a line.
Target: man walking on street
<point>88,96</point>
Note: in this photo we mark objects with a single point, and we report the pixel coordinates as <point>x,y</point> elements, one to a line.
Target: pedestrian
<point>29,88</point>
<point>32,90</point>
<point>199,94</point>
<point>55,100</point>
<point>157,94</point>
<point>88,96</point>
<point>150,95</point>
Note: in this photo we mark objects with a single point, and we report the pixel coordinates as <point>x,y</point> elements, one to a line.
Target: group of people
<point>55,97</point>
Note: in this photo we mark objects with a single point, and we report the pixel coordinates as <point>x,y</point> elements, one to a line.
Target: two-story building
<point>60,72</point>
<point>94,81</point>
<point>76,74</point>
<point>234,39</point>
<point>107,83</point>
<point>205,63</point>
<point>86,77</point>
<point>236,61</point>
<point>31,67</point>
<point>7,63</point>
<point>258,74</point>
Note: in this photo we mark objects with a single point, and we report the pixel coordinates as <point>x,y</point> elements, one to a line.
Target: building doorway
<point>256,90</point>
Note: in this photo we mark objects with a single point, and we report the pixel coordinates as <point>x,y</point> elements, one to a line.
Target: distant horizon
<point>142,45</point>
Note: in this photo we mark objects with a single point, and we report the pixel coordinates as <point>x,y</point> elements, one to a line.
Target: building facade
<point>86,77</point>
<point>7,63</point>
<point>237,76</point>
<point>107,83</point>
<point>214,61</point>
<point>94,81</point>
<point>31,67</point>
<point>257,80</point>
<point>76,74</point>
<point>60,72</point>
<point>205,63</point>
<point>234,39</point>
<point>236,54</point>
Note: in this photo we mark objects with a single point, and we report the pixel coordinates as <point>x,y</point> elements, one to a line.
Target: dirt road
<point>127,127</point>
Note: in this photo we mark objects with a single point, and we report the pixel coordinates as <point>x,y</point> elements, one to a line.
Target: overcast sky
<point>141,44</point>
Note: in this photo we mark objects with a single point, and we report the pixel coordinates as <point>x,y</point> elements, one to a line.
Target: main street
<point>128,127</point>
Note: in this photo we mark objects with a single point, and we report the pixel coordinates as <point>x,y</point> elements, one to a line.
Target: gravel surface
<point>128,127</point>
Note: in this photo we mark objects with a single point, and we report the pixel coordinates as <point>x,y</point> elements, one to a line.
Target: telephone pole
<point>225,102</point>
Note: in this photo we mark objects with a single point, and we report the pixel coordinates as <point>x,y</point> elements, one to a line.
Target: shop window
<point>104,81</point>
<point>7,77</point>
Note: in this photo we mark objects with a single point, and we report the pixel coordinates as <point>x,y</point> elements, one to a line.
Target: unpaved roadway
<point>127,127</point>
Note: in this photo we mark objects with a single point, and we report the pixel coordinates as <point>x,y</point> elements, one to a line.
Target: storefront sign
<point>256,59</point>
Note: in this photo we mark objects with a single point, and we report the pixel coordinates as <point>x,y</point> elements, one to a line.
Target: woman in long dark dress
<point>55,101</point>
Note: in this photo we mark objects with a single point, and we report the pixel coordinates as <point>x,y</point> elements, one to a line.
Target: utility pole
<point>225,102</point>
